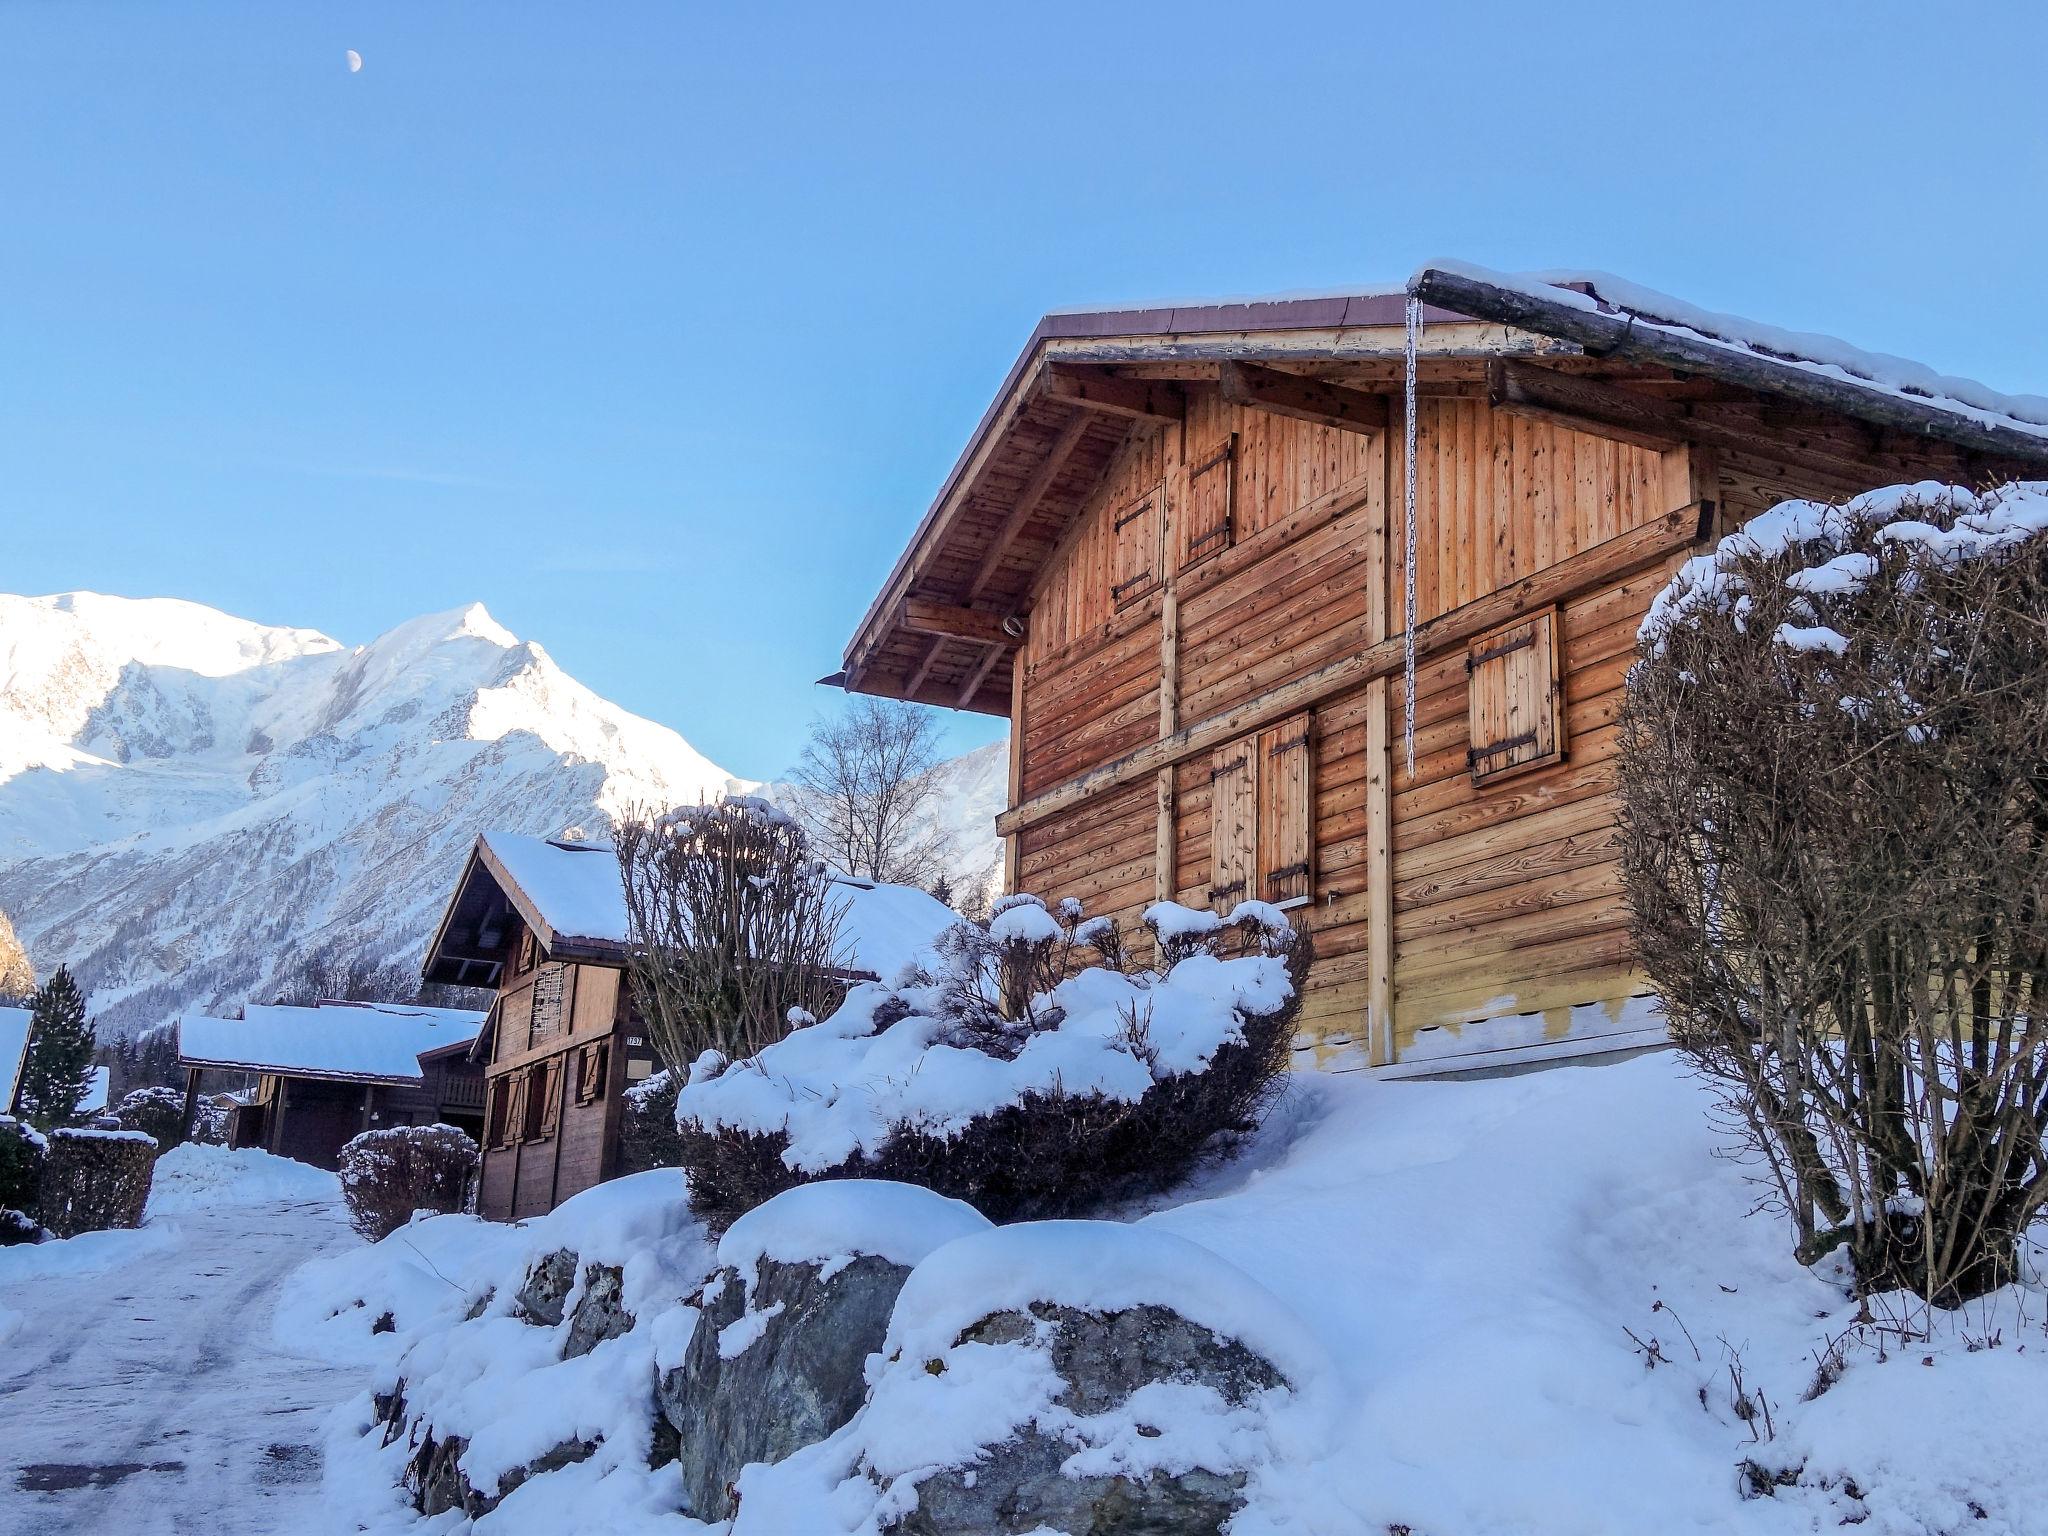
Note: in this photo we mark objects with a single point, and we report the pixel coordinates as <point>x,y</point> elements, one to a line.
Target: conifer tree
<point>58,1063</point>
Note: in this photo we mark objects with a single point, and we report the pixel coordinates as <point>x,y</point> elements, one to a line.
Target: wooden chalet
<point>329,1072</point>
<point>543,921</point>
<point>1173,554</point>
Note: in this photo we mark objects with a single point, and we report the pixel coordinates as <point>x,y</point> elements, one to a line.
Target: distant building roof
<point>571,896</point>
<point>359,1042</point>
<point>13,1047</point>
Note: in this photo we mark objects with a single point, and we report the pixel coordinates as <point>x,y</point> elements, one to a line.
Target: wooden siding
<point>1448,902</point>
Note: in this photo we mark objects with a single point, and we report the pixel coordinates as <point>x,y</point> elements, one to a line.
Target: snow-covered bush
<point>732,923</point>
<point>95,1180</point>
<point>1834,759</point>
<point>160,1114</point>
<point>388,1175</point>
<point>1012,1080</point>
<point>647,1131</point>
<point>23,1150</point>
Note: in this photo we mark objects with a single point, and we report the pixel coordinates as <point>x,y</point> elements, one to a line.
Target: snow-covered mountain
<point>191,803</point>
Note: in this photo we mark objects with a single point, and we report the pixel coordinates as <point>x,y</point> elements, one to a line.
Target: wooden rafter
<point>1028,499</point>
<point>1094,390</point>
<point>924,668</point>
<point>990,656</point>
<point>1291,394</point>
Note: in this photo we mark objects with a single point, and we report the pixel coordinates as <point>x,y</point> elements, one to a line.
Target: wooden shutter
<point>1210,522</point>
<point>1136,532</point>
<point>1234,825</point>
<point>1286,814</point>
<point>592,1064</point>
<point>497,1119</point>
<point>512,1092</point>
<point>548,1083</point>
<point>1515,709</point>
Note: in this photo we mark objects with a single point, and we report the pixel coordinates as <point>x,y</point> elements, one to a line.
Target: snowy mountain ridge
<point>191,803</point>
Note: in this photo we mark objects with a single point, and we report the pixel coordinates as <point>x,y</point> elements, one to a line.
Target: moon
<point>355,62</point>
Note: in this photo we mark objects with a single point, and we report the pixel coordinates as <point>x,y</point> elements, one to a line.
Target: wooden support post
<point>1164,845</point>
<point>191,1114</point>
<point>1012,853</point>
<point>1379,873</point>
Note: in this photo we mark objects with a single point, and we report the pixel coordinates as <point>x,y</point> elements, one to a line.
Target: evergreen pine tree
<point>58,1064</point>
<point>942,890</point>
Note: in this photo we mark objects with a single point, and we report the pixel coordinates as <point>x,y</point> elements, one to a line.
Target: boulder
<point>770,1373</point>
<point>439,1483</point>
<point>545,1289</point>
<point>1102,1357</point>
<point>599,1313</point>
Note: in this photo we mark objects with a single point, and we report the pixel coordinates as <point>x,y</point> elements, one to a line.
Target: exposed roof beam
<point>1304,399</point>
<point>1028,499</point>
<point>931,654</point>
<point>1094,390</point>
<point>928,616</point>
<point>1584,405</point>
<point>990,656</point>
<point>1641,339</point>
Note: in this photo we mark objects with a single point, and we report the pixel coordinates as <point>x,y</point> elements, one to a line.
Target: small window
<point>593,1063</point>
<point>1515,705</point>
<point>1261,807</point>
<point>1136,531</point>
<point>1209,525</point>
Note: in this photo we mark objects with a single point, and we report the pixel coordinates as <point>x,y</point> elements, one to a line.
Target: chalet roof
<point>13,1047</point>
<point>346,1041</point>
<point>947,622</point>
<point>570,895</point>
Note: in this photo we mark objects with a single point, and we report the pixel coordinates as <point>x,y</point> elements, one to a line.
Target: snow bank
<point>89,1253</point>
<point>841,1087</point>
<point>834,1222</point>
<point>192,1175</point>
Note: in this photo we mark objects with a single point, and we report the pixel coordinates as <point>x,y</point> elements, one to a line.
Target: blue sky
<point>654,327</point>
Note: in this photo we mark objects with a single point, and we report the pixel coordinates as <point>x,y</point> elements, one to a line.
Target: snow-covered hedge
<point>388,1175</point>
<point>1012,1079</point>
<point>95,1181</point>
<point>23,1150</point>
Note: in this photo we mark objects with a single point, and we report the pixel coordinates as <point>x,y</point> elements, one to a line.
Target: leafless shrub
<point>1834,760</point>
<point>733,924</point>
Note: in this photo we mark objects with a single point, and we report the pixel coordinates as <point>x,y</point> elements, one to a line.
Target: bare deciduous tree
<point>733,924</point>
<point>867,790</point>
<point>1834,759</point>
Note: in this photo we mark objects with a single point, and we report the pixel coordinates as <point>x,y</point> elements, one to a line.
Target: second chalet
<point>1175,555</point>
<point>543,922</point>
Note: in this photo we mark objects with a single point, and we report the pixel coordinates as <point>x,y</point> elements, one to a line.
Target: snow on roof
<point>95,1098</point>
<point>13,1045</point>
<point>575,889</point>
<point>380,1041</point>
<point>1810,352</point>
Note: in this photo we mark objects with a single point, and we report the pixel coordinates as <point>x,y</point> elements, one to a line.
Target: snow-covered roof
<point>96,1087</point>
<point>571,894</point>
<point>373,1042</point>
<point>13,1046</point>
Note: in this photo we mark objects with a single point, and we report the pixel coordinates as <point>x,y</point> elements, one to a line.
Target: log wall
<point>1451,918</point>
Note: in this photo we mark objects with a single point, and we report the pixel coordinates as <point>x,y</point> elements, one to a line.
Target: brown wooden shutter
<point>514,1089</point>
<point>1136,531</point>
<point>1234,812</point>
<point>1515,709</point>
<point>549,1086</point>
<point>1286,811</point>
<point>1209,523</point>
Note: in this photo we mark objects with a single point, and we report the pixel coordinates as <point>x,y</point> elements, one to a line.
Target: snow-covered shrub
<point>157,1112</point>
<point>647,1131</point>
<point>388,1175</point>
<point>95,1180</point>
<point>22,1152</point>
<point>1834,758</point>
<point>1007,1082</point>
<point>732,923</point>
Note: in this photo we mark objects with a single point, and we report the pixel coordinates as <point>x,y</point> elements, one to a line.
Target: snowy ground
<point>140,1389</point>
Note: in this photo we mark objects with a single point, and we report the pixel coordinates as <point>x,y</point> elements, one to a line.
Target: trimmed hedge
<point>388,1175</point>
<point>95,1181</point>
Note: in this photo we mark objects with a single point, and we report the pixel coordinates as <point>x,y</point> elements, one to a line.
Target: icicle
<point>1408,496</point>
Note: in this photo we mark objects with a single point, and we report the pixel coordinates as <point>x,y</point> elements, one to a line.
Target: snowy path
<point>150,1400</point>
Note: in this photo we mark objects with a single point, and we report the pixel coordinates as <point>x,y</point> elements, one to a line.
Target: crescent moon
<point>355,62</point>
